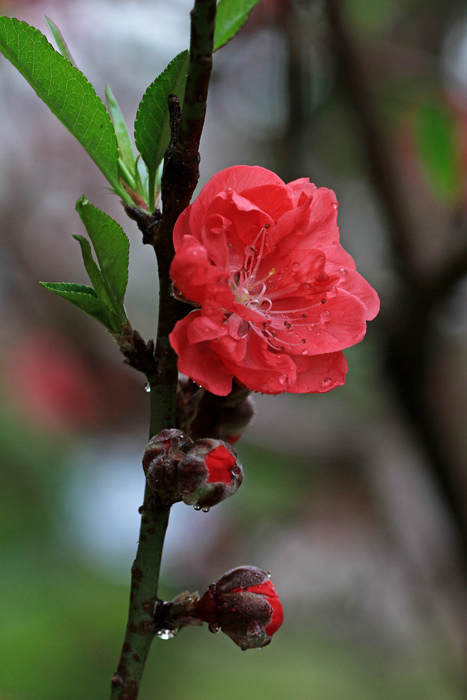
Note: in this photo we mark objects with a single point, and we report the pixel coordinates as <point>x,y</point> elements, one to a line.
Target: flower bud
<point>160,463</point>
<point>208,473</point>
<point>244,605</point>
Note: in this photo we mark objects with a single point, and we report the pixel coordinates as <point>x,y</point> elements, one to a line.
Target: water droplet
<point>214,627</point>
<point>283,378</point>
<point>147,388</point>
<point>332,293</point>
<point>206,509</point>
<point>326,382</point>
<point>305,352</point>
<point>197,507</point>
<point>343,273</point>
<point>325,316</point>
<point>295,266</point>
<point>235,471</point>
<point>243,329</point>
<point>269,574</point>
<point>167,634</point>
<point>279,276</point>
<point>265,386</point>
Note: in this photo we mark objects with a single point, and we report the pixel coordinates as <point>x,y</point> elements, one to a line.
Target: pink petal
<point>262,370</point>
<point>203,328</point>
<point>248,314</point>
<point>355,284</point>
<point>321,230</point>
<point>329,327</point>
<point>319,373</point>
<point>237,178</point>
<point>198,361</point>
<point>196,278</point>
<point>273,199</point>
<point>298,273</point>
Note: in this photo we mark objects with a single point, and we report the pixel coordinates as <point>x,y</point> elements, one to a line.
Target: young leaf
<point>439,149</point>
<point>66,92</point>
<point>125,146</point>
<point>152,129</point>
<point>94,273</point>
<point>111,246</point>
<point>231,15</point>
<point>86,299</point>
<point>60,41</point>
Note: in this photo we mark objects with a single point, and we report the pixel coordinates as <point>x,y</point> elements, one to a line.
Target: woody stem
<point>181,173</point>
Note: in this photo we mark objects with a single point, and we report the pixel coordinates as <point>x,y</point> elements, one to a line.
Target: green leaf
<point>125,146</point>
<point>66,92</point>
<point>231,15</point>
<point>85,298</point>
<point>94,273</point>
<point>439,149</point>
<point>111,246</point>
<point>152,128</point>
<point>60,41</point>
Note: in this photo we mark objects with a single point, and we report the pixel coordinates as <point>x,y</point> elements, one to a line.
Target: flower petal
<point>329,327</point>
<point>319,373</point>
<point>261,370</point>
<point>198,361</point>
<point>355,284</point>
<point>273,199</point>
<point>196,278</point>
<point>237,178</point>
<point>321,230</point>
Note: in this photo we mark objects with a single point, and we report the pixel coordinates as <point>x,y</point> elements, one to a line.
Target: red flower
<point>279,297</point>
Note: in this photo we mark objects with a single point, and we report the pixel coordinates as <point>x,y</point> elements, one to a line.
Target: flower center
<point>278,327</point>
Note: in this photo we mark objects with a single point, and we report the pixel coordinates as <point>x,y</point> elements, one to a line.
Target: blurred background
<point>355,500</point>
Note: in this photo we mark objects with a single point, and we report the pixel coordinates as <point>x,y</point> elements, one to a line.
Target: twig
<point>178,183</point>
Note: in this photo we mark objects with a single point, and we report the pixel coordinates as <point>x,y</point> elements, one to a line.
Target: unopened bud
<point>160,463</point>
<point>209,473</point>
<point>201,473</point>
<point>244,605</point>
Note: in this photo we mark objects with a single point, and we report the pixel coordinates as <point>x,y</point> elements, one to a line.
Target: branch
<point>179,180</point>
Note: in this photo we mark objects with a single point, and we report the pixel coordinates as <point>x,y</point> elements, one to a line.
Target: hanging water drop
<point>167,634</point>
<point>214,627</point>
<point>283,378</point>
<point>326,382</point>
<point>206,510</point>
<point>147,388</point>
<point>197,507</point>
